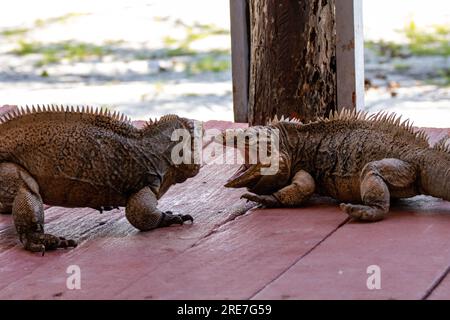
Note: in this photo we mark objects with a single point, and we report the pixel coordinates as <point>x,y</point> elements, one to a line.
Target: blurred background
<point>148,58</point>
<point>407,59</point>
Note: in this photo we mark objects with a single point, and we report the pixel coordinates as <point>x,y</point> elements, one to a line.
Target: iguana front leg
<point>28,211</point>
<point>301,188</point>
<point>142,212</point>
<point>379,181</point>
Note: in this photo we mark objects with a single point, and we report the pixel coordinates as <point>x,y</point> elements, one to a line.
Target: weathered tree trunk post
<point>292,59</point>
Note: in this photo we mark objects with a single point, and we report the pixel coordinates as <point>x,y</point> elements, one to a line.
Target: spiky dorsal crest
<point>66,109</point>
<point>166,118</point>
<point>443,144</point>
<point>275,120</point>
<point>169,119</point>
<point>382,118</point>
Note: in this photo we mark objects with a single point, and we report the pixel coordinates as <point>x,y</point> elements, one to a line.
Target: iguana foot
<point>142,212</point>
<point>267,200</point>
<point>169,219</point>
<point>361,212</point>
<point>5,209</point>
<point>107,208</point>
<point>28,212</point>
<point>41,242</point>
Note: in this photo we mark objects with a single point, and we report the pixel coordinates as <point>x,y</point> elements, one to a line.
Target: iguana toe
<point>41,242</point>
<point>267,200</point>
<point>35,247</point>
<point>107,208</point>
<point>64,243</point>
<point>169,219</point>
<point>355,211</point>
<point>187,217</point>
<point>362,212</point>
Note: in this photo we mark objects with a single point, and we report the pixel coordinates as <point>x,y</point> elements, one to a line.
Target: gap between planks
<point>300,258</point>
<point>436,283</point>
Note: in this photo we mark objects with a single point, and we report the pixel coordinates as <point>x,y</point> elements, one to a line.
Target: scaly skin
<point>363,162</point>
<point>86,158</point>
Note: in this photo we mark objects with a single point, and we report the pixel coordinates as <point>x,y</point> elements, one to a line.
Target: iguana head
<point>173,139</point>
<point>265,165</point>
<point>191,167</point>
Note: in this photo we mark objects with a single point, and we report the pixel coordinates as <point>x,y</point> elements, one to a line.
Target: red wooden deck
<point>235,252</point>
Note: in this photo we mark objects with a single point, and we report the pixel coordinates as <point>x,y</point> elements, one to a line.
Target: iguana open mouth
<point>247,175</point>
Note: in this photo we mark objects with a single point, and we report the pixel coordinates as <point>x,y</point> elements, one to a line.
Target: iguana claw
<point>169,219</point>
<point>187,217</point>
<point>40,242</point>
<point>267,200</point>
<point>107,208</point>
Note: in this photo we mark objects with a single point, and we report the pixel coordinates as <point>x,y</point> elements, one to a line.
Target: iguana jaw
<point>246,176</point>
<point>191,169</point>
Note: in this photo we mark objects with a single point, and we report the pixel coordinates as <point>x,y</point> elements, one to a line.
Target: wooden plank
<point>81,224</point>
<point>442,289</point>
<point>349,54</point>
<point>240,57</point>
<point>5,221</point>
<point>410,246</point>
<point>241,257</point>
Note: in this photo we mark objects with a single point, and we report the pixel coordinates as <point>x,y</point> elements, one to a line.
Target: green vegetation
<point>52,53</point>
<point>44,74</point>
<point>39,23</point>
<point>202,28</point>
<point>431,42</point>
<point>400,67</point>
<point>180,51</point>
<point>443,79</point>
<point>194,32</point>
<point>445,73</point>
<point>212,61</point>
<point>14,32</point>
<point>193,61</point>
<point>25,48</point>
<point>192,95</point>
<point>208,63</point>
<point>385,48</point>
<point>215,60</point>
<point>424,42</point>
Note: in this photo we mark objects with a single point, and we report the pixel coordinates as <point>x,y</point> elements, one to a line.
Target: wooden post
<point>240,58</point>
<point>292,59</point>
<point>347,61</point>
<point>349,54</point>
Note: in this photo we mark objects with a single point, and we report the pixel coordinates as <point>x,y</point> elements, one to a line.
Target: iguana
<point>362,161</point>
<point>86,157</point>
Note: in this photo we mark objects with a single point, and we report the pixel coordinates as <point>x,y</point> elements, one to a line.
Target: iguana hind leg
<point>28,213</point>
<point>142,212</point>
<point>8,186</point>
<point>301,188</point>
<point>379,181</point>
